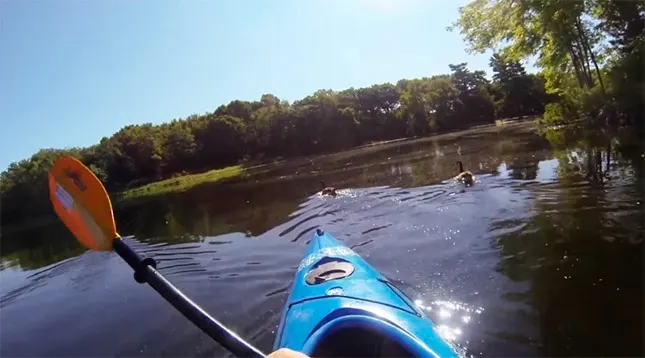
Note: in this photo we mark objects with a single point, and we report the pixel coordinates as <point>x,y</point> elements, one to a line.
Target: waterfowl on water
<point>465,176</point>
<point>327,190</point>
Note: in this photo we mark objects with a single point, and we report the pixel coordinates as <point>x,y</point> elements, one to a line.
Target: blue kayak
<point>339,306</point>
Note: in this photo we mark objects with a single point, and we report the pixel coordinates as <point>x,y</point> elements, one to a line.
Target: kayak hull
<point>340,306</point>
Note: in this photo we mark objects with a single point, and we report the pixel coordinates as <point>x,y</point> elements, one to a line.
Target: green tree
<point>179,147</point>
<point>475,103</point>
<point>221,140</point>
<point>244,131</point>
<point>24,185</point>
<point>518,93</point>
<point>568,38</point>
<point>138,151</point>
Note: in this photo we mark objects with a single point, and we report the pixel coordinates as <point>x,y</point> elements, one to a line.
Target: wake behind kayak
<point>339,306</point>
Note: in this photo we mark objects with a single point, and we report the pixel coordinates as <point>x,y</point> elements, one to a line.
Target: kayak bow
<point>339,306</point>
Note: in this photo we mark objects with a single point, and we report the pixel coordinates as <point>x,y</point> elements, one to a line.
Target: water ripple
<point>375,229</point>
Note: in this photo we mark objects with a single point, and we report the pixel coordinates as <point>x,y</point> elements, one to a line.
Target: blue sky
<point>72,72</point>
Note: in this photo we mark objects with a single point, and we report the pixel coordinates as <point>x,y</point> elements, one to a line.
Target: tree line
<point>590,54</point>
<point>325,121</point>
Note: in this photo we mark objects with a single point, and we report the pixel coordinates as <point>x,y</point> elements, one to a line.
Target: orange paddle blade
<point>81,202</point>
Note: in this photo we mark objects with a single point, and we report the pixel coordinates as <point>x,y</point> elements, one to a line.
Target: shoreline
<point>180,183</point>
<point>183,183</point>
<point>186,182</point>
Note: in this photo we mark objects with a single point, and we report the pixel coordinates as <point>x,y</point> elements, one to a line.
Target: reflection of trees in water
<point>522,153</point>
<point>42,246</point>
<point>432,159</point>
<point>254,208</point>
<point>596,156</point>
<point>527,170</point>
<point>582,252</point>
<point>211,211</point>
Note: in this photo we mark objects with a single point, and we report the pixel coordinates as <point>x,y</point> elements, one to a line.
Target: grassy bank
<point>181,183</point>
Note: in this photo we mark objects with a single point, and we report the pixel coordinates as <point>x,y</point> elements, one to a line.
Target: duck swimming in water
<point>465,176</point>
<point>327,190</point>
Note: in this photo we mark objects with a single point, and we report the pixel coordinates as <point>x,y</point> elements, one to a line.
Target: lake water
<point>543,256</point>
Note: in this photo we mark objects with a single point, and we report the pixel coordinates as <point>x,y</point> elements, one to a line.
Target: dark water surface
<point>543,256</point>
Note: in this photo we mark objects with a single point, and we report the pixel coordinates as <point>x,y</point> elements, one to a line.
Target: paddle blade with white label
<point>82,203</point>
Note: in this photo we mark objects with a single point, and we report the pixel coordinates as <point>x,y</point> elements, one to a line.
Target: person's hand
<point>286,353</point>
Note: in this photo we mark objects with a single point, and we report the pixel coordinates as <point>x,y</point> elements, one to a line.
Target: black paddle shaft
<point>145,272</point>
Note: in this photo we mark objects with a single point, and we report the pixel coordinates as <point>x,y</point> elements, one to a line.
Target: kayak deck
<point>339,306</point>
